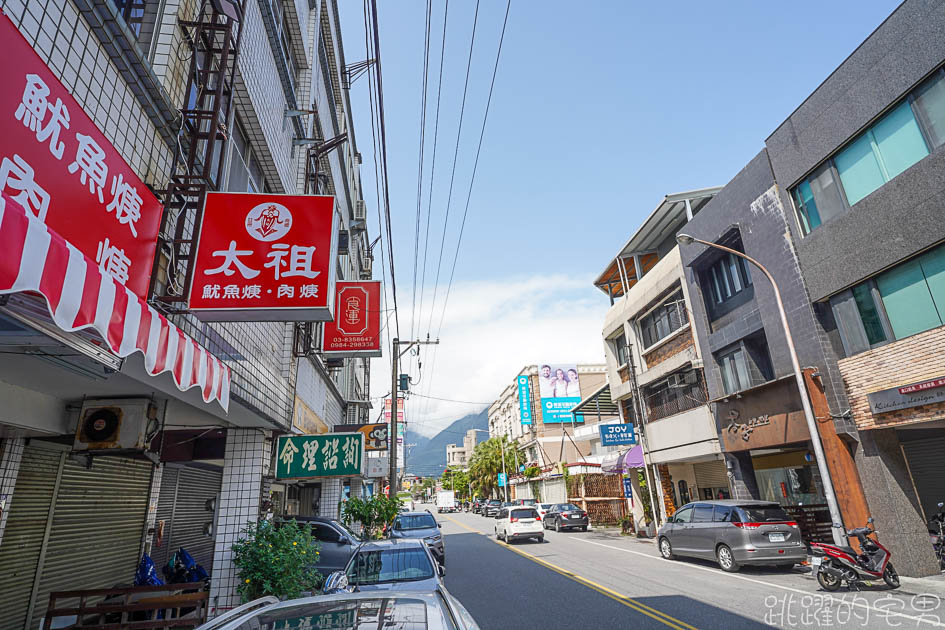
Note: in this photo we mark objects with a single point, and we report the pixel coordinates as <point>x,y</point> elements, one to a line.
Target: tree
<point>373,514</point>
<point>456,479</point>
<point>486,464</point>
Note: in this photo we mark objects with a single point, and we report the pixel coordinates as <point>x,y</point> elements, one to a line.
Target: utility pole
<point>395,365</point>
<point>504,474</point>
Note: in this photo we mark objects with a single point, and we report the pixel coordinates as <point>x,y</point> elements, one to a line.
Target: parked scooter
<point>835,564</point>
<point>938,538</point>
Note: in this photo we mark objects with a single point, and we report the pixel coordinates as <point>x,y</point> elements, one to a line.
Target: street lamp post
<point>839,535</point>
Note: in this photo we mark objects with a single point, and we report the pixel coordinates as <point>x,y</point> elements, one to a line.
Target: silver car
<point>422,526</point>
<point>733,533</point>
<point>405,564</point>
<point>432,610</point>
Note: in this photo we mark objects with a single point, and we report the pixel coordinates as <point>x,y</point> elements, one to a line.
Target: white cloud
<point>493,329</point>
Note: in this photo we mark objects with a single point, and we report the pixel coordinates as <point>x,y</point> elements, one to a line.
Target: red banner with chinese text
<point>356,329</point>
<point>264,257</point>
<point>58,166</point>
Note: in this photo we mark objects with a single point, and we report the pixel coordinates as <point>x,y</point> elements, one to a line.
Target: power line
<point>459,131</point>
<point>380,107</point>
<point>436,130</point>
<point>423,128</point>
<point>482,133</point>
<point>465,402</point>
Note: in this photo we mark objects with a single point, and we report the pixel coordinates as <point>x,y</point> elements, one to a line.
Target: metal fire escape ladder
<point>213,39</point>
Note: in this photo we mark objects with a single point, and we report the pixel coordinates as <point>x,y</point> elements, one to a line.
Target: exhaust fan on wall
<point>116,424</point>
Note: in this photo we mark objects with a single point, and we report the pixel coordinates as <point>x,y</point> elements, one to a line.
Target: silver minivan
<point>733,533</point>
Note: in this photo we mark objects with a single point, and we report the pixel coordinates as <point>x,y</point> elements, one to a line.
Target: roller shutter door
<point>711,474</point>
<point>926,459</point>
<point>182,506</point>
<point>23,537</point>
<point>97,527</point>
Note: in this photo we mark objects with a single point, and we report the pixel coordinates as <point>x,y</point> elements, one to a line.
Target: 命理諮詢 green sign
<point>326,455</point>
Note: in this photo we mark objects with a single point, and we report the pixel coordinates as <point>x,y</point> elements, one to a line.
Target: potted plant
<point>276,560</point>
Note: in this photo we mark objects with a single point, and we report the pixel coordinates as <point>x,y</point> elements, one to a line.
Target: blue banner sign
<point>524,400</point>
<point>558,410</point>
<point>502,480</point>
<point>617,434</point>
<point>627,488</point>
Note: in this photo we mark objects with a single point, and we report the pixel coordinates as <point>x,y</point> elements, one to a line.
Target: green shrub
<point>373,513</point>
<point>276,561</point>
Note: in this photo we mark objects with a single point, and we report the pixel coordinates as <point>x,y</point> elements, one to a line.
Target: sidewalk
<point>934,584</point>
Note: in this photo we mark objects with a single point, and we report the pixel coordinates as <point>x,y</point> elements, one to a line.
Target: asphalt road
<point>584,581</point>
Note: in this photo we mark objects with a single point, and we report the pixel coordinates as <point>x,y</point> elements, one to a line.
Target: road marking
<point>881,611</point>
<point>629,602</point>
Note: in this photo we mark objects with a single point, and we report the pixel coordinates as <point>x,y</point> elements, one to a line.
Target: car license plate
<point>776,537</point>
<point>815,561</point>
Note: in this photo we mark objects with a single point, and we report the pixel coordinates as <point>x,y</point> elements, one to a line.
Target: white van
<point>516,522</point>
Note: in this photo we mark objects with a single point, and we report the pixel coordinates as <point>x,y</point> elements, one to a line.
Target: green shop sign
<point>326,455</point>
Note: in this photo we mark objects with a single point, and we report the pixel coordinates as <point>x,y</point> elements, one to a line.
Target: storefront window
<point>792,485</point>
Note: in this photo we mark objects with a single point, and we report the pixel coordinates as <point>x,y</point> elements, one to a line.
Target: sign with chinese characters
<point>524,400</point>
<point>265,257</point>
<point>627,488</point>
<point>356,329</point>
<point>401,403</point>
<point>326,455</point>
<point>617,434</point>
<point>56,163</point>
<point>375,435</point>
<point>927,392</point>
<point>377,466</point>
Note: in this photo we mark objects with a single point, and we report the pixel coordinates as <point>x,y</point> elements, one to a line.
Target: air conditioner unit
<point>116,424</point>
<point>359,210</point>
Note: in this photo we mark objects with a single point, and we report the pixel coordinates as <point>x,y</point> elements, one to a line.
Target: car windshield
<point>415,521</point>
<point>494,502</point>
<point>569,507</point>
<point>763,513</point>
<point>524,513</point>
<point>350,614</point>
<point>544,506</point>
<point>381,566</point>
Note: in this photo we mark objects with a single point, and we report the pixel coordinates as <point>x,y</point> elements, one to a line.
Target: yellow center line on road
<point>629,602</point>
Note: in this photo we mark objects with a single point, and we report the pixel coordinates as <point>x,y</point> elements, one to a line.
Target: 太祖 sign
<point>326,455</point>
<point>617,434</point>
<point>524,400</point>
<point>265,257</point>
<point>375,435</point>
<point>927,392</point>
<point>356,329</point>
<point>63,171</point>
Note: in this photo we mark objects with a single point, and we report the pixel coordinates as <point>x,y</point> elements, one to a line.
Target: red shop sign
<point>356,329</point>
<point>265,257</point>
<point>56,163</point>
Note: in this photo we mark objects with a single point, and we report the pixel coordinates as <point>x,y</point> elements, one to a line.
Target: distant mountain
<point>428,457</point>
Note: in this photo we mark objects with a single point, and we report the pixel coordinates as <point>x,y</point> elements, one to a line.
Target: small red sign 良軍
<point>356,329</point>
<point>264,257</point>
<point>58,165</point>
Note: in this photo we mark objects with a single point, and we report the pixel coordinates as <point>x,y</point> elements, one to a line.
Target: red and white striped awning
<point>79,295</point>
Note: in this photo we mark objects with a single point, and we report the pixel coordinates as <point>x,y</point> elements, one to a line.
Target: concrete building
<point>860,166</point>
<point>651,348</point>
<point>460,455</point>
<point>132,68</point>
<point>545,437</point>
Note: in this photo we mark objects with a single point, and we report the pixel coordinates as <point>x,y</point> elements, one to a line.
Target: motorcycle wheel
<point>828,582</point>
<point>890,576</point>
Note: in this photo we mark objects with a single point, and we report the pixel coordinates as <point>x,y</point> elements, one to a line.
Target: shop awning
<point>599,402</point>
<point>79,295</point>
<point>623,461</point>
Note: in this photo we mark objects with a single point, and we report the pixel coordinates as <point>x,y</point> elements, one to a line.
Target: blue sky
<point>599,109</point>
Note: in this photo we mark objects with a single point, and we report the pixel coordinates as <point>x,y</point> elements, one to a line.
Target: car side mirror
<point>337,582</point>
<point>439,525</point>
<point>440,569</point>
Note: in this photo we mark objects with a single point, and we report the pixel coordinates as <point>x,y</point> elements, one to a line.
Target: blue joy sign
<point>524,400</point>
<point>617,434</point>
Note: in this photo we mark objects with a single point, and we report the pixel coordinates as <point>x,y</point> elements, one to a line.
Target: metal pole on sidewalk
<point>394,360</point>
<point>839,534</point>
<point>504,474</point>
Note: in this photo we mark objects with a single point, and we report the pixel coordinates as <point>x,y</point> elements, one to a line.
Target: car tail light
<point>513,520</point>
<point>747,525</point>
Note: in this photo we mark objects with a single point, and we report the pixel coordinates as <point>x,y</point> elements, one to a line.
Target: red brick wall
<point>672,347</point>
<point>911,360</point>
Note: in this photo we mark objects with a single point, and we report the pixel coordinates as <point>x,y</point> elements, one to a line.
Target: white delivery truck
<point>445,501</point>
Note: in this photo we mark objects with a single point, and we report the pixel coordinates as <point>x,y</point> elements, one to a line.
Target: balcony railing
<point>670,401</point>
